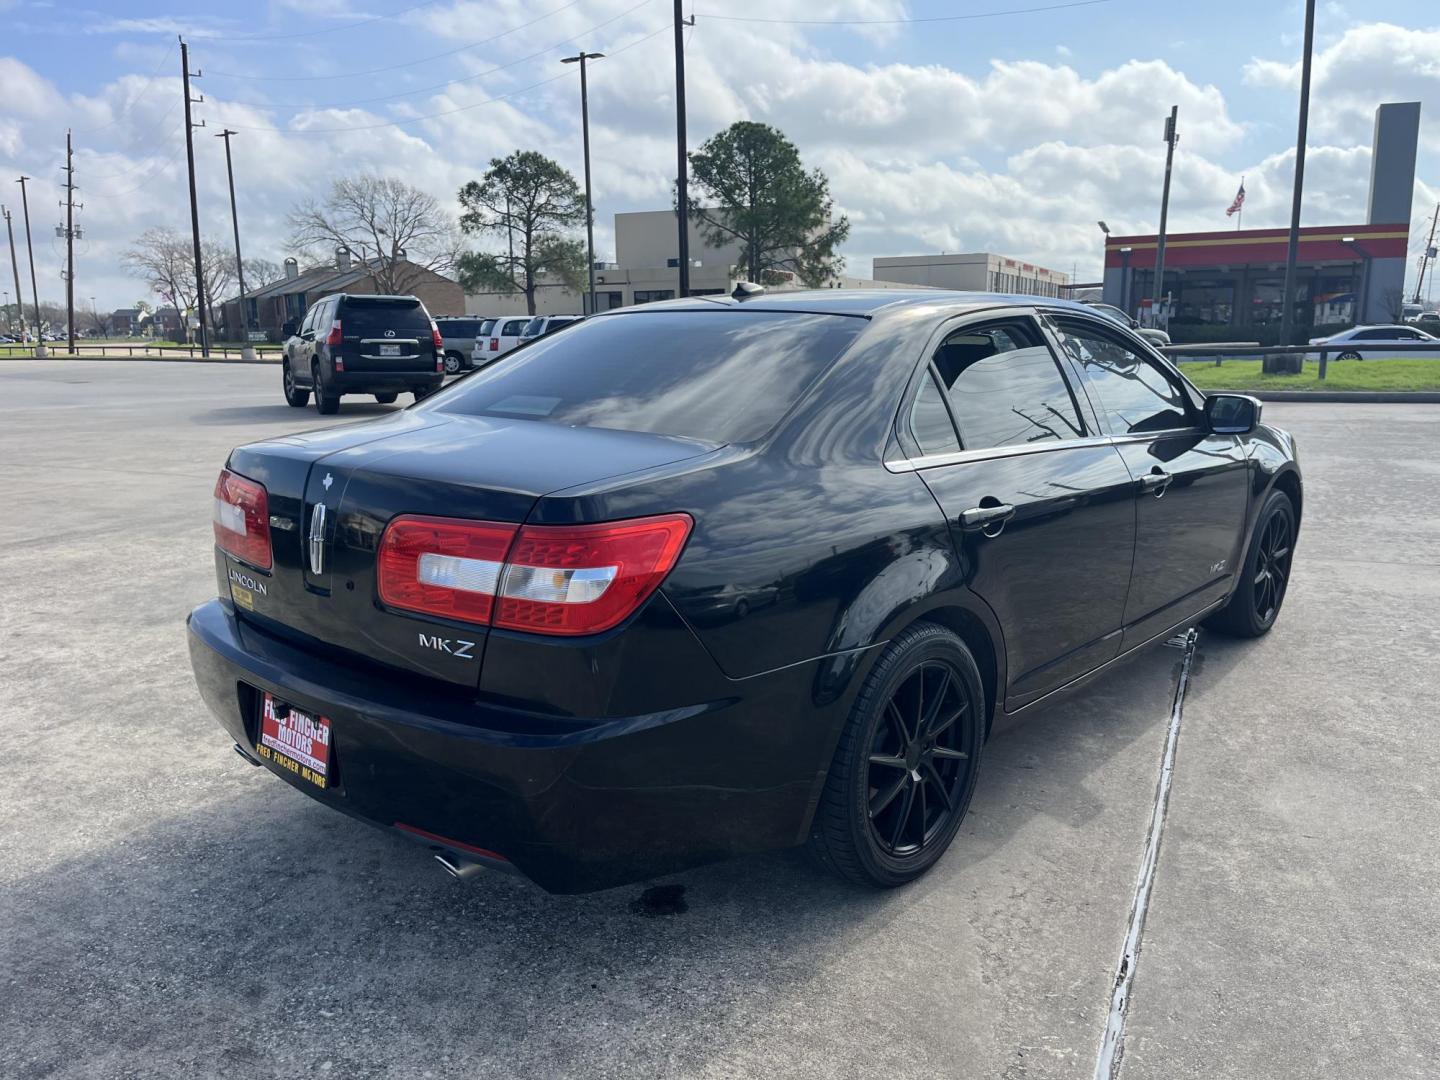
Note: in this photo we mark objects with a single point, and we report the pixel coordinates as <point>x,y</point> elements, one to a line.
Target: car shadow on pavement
<point>253,414</point>
<point>262,934</point>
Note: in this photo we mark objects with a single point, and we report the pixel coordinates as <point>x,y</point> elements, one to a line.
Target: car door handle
<point>1155,481</point>
<point>984,517</point>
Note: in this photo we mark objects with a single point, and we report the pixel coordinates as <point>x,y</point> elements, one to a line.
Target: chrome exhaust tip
<point>459,869</point>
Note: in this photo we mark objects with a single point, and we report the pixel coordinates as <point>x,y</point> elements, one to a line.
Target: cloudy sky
<point>1012,129</point>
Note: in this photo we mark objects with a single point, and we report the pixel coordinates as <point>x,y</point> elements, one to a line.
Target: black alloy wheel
<point>1260,591</point>
<point>1348,356</point>
<point>907,762</point>
<point>1272,568</point>
<point>917,769</point>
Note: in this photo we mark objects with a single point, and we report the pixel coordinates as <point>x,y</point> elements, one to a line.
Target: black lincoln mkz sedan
<point>718,576</point>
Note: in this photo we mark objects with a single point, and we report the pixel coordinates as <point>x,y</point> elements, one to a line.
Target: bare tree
<point>261,272</point>
<point>398,230</point>
<point>165,260</point>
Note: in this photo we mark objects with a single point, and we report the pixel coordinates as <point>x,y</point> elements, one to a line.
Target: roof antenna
<point>746,289</point>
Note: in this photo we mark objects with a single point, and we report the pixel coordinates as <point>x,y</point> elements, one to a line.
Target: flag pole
<point>1240,214</point>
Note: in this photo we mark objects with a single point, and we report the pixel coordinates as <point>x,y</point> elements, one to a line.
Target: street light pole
<point>246,352</point>
<point>580,58</point>
<point>30,250</point>
<point>1171,138</point>
<point>15,267</point>
<point>1287,306</point>
<point>682,178</point>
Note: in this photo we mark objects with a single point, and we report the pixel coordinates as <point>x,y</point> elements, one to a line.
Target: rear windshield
<point>722,376</point>
<point>367,314</point>
<point>459,327</point>
<point>486,327</point>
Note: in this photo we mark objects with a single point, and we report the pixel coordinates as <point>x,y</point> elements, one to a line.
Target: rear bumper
<point>369,382</point>
<point>574,805</point>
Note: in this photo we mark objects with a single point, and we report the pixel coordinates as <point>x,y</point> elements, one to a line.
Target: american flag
<point>1239,203</point>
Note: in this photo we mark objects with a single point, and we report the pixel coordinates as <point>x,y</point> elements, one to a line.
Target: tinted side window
<point>930,420</point>
<point>513,327</point>
<point>309,323</point>
<point>486,327</point>
<point>1006,388</point>
<point>1132,390</point>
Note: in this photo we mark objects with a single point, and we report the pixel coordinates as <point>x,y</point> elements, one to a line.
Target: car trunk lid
<point>333,494</point>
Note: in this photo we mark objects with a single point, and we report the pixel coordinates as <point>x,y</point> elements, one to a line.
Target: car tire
<point>1348,355</point>
<point>1255,604</point>
<point>422,392</point>
<point>920,713</point>
<point>454,363</point>
<point>386,399</point>
<point>326,403</point>
<point>296,397</point>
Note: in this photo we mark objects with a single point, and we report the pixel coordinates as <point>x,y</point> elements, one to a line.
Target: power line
<point>897,22</point>
<point>301,132</point>
<point>130,103</point>
<point>354,73</point>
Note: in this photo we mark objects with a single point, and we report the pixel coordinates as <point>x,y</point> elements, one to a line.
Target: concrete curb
<point>149,359</point>
<point>1362,397</point>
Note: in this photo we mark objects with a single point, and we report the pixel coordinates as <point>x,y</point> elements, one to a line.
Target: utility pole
<point>1425,258</point>
<point>246,352</point>
<point>1287,308</point>
<point>30,250</point>
<point>70,237</point>
<point>1171,138</point>
<point>682,179</point>
<point>581,57</point>
<point>185,77</point>
<point>15,266</point>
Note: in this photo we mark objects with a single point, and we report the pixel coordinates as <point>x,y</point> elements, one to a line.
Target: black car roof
<point>864,303</point>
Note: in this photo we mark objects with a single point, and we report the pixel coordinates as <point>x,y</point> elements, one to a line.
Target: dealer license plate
<point>295,741</point>
<point>389,350</point>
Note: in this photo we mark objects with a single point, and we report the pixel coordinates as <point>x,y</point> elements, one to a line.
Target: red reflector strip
<point>242,519</point>
<point>484,853</point>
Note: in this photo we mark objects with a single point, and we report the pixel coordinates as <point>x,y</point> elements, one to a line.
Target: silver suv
<point>459,333</point>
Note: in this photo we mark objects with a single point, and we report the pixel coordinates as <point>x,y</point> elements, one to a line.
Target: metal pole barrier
<point>1324,356</point>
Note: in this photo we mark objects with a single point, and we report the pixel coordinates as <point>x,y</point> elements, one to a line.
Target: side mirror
<point>289,327</point>
<point>1232,414</point>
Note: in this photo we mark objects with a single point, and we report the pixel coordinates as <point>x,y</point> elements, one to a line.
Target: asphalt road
<point>168,910</point>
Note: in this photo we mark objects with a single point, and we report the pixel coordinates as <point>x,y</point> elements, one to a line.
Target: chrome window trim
<point>933,461</point>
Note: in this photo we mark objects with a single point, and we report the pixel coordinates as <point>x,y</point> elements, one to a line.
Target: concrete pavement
<point>165,909</point>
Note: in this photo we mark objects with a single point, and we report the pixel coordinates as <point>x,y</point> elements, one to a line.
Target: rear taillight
<point>443,566</point>
<point>555,579</point>
<point>581,579</point>
<point>494,344</point>
<point>436,336</point>
<point>336,336</point>
<point>242,519</point>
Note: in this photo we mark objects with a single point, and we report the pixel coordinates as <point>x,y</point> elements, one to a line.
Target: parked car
<point>546,324</point>
<point>1154,335</point>
<point>504,335</point>
<point>1370,336</point>
<point>480,355</point>
<point>460,334</point>
<point>361,344</point>
<point>508,623</point>
<point>1429,321</point>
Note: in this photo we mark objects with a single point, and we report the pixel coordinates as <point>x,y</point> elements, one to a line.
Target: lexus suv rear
<point>360,344</point>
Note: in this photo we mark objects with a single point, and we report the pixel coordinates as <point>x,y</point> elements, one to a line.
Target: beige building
<point>978,271</point>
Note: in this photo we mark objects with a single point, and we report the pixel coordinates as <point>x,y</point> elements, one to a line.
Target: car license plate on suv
<point>294,741</point>
<point>389,350</point>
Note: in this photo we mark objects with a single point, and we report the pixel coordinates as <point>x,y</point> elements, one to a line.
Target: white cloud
<point>1021,157</point>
